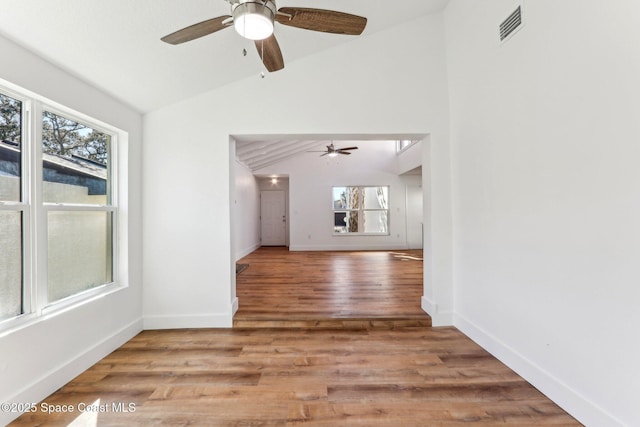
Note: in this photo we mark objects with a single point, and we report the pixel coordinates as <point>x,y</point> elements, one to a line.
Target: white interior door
<point>273,218</point>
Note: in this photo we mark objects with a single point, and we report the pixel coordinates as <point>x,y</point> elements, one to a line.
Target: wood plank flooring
<point>330,289</point>
<point>289,377</point>
<point>382,374</point>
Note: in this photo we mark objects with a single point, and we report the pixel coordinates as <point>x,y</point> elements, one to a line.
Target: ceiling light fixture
<point>254,20</point>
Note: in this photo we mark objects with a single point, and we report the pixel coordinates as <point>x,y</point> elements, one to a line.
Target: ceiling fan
<point>254,19</point>
<point>331,151</point>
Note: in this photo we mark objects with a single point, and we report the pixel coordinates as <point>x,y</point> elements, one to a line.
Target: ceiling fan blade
<point>343,152</point>
<point>270,53</point>
<point>348,148</point>
<point>326,21</point>
<point>198,30</point>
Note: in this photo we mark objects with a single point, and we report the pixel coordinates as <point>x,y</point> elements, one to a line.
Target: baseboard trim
<point>438,317</point>
<point>234,306</point>
<point>243,253</point>
<point>347,247</point>
<point>216,320</point>
<point>579,406</point>
<point>43,387</point>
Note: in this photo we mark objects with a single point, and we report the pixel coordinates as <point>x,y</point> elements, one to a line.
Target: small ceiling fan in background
<point>254,19</point>
<point>331,151</point>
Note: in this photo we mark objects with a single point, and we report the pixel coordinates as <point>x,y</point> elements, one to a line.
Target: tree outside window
<point>361,210</point>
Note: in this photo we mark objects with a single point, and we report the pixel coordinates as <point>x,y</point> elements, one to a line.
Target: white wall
<point>392,88</point>
<point>410,160</point>
<point>546,202</point>
<point>246,197</point>
<point>415,213</point>
<point>40,357</point>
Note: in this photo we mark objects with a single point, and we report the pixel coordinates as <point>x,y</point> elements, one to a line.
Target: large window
<point>58,211</point>
<point>361,210</point>
<point>76,183</point>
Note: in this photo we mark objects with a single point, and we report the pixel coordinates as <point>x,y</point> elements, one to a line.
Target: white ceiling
<point>260,151</point>
<point>115,45</point>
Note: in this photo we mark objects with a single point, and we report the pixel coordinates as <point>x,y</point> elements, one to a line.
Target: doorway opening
<point>407,232</point>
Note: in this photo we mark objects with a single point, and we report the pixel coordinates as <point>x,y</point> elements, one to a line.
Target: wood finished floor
<point>371,372</point>
<point>341,289</point>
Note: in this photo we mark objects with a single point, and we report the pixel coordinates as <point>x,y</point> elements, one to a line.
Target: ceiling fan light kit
<point>254,19</point>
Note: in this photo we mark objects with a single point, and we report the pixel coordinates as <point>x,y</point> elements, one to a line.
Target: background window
<point>361,209</point>
<point>79,252</point>
<point>76,189</point>
<point>75,162</point>
<point>11,208</point>
<point>403,144</point>
<point>10,264</point>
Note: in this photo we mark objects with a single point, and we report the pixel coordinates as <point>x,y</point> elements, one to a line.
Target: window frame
<point>35,301</point>
<point>23,207</point>
<point>361,210</point>
<point>404,144</point>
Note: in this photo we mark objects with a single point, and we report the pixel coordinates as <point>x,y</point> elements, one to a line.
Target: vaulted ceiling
<point>260,151</point>
<point>259,154</point>
<point>115,45</point>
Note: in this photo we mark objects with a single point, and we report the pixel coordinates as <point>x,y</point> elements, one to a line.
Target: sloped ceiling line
<point>73,38</point>
<point>258,154</point>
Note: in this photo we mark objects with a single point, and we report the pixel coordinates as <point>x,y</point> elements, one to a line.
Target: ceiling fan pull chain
<point>262,56</point>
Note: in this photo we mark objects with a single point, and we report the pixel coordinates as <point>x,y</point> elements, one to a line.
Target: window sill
<point>23,321</point>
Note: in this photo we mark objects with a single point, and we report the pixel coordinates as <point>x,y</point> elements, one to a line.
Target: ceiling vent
<point>510,25</point>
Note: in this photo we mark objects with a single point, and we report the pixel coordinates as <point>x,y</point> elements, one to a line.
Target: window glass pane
<point>345,222</point>
<point>339,198</point>
<point>76,160</point>
<point>375,222</point>
<point>376,197</point>
<point>345,197</point>
<point>10,148</point>
<point>79,252</point>
<point>10,264</point>
<point>339,222</point>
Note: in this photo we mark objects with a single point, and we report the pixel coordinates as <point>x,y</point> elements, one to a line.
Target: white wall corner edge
<point>189,321</point>
<point>43,387</point>
<point>580,407</point>
<point>438,318</point>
